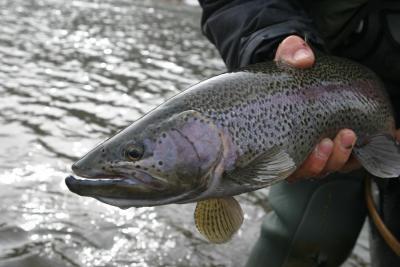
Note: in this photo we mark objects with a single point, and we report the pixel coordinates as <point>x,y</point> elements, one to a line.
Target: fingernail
<point>347,140</point>
<point>301,54</point>
<point>324,148</point>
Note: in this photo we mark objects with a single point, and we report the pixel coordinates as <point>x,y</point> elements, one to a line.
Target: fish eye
<point>134,152</point>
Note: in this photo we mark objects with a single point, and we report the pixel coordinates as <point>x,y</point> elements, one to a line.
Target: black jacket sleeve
<point>248,31</point>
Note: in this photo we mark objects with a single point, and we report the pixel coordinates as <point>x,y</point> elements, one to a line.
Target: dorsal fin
<point>273,165</point>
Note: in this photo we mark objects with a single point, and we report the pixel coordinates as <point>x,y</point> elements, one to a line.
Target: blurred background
<point>71,74</point>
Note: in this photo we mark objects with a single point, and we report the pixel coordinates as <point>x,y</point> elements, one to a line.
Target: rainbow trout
<point>238,132</point>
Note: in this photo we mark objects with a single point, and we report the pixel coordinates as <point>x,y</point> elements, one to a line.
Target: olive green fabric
<point>312,223</point>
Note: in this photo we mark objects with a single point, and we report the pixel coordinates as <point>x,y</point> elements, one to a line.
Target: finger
<point>342,146</point>
<point>315,162</point>
<point>398,135</point>
<point>293,50</point>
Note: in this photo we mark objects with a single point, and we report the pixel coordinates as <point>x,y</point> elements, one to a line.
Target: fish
<point>238,132</point>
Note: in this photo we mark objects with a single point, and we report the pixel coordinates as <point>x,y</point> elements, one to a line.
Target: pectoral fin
<point>270,166</point>
<point>379,155</point>
<point>218,219</point>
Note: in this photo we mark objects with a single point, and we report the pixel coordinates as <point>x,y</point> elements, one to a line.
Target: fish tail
<point>379,155</point>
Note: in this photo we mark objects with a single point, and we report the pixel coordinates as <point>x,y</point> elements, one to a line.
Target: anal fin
<point>379,155</point>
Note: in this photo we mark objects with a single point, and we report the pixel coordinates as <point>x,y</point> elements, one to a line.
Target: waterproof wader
<point>312,223</point>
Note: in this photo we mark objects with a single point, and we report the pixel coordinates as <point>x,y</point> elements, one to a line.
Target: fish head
<point>151,162</point>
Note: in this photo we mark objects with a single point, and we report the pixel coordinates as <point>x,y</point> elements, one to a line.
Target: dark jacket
<point>248,31</point>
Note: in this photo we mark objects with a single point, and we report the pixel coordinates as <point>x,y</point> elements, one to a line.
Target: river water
<point>71,74</point>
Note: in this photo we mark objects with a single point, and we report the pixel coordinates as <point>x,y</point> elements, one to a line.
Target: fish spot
<point>160,163</point>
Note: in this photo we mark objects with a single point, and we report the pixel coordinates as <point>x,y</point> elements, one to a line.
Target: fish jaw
<point>127,187</point>
<point>121,192</point>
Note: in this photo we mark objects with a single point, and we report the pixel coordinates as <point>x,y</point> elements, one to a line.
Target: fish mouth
<point>121,191</point>
<point>80,185</point>
<point>107,177</point>
<point>125,192</point>
<point>125,188</point>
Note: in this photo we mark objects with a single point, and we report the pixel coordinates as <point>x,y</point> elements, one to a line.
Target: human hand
<point>329,155</point>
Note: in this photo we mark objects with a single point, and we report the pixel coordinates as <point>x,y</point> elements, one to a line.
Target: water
<point>72,73</point>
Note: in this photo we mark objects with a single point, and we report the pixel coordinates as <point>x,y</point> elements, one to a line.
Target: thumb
<point>293,50</point>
